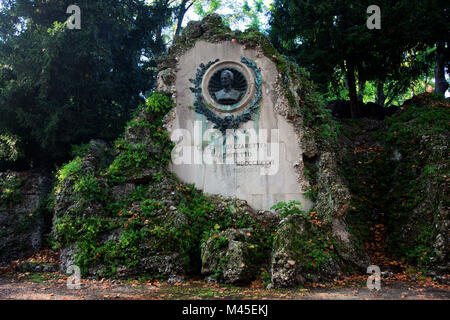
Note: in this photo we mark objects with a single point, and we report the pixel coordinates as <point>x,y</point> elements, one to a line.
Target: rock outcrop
<point>397,172</point>
<point>229,256</point>
<point>23,220</point>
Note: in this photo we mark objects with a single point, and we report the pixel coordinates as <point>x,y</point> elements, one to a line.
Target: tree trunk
<point>439,70</point>
<point>361,86</point>
<point>381,98</point>
<point>180,18</point>
<point>158,32</point>
<point>158,35</point>
<point>352,89</point>
<point>181,13</point>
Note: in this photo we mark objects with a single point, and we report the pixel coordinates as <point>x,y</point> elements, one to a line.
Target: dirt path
<point>52,286</point>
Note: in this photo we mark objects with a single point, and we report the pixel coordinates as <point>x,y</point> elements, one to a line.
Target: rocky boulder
<point>229,257</point>
<point>332,202</point>
<point>23,219</point>
<point>304,250</point>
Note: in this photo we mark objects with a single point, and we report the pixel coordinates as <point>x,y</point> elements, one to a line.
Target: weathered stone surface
<point>98,150</point>
<point>67,257</point>
<point>121,191</point>
<point>228,257</point>
<point>67,200</point>
<point>286,182</point>
<point>285,270</point>
<point>158,256</point>
<point>267,219</point>
<point>165,80</point>
<point>136,135</point>
<point>193,30</point>
<point>434,209</point>
<point>170,266</point>
<point>22,224</point>
<point>333,200</point>
<point>98,154</point>
<point>292,263</point>
<point>399,191</point>
<point>437,191</point>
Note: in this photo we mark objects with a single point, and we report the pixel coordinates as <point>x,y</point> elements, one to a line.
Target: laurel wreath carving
<point>230,121</point>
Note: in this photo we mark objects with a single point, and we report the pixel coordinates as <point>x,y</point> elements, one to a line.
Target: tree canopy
<point>60,87</point>
<point>331,38</point>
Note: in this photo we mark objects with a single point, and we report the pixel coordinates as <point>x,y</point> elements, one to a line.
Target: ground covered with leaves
<point>16,283</point>
<point>398,173</point>
<point>53,286</point>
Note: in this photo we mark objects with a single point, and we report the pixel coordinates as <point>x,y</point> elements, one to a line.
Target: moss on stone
<point>398,180</point>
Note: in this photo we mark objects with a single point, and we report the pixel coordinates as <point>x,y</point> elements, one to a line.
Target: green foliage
<point>424,119</point>
<point>11,150</point>
<point>315,251</point>
<point>290,208</point>
<point>199,209</point>
<point>90,189</point>
<point>63,87</point>
<point>266,277</point>
<point>158,104</point>
<point>253,13</point>
<point>394,192</point>
<point>134,156</point>
<point>420,167</point>
<point>131,156</point>
<point>149,207</point>
<point>147,225</point>
<point>220,243</point>
<point>312,192</point>
<point>311,106</point>
<point>315,246</point>
<point>70,170</point>
<point>152,222</point>
<point>332,41</point>
<point>10,192</point>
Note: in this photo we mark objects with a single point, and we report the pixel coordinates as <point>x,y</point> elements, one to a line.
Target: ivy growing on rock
<point>154,227</point>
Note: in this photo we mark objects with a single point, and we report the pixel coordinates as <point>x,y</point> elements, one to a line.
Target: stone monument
<point>229,126</point>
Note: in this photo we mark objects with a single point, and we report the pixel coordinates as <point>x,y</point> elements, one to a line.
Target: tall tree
<point>60,87</point>
<point>435,32</point>
<point>236,14</point>
<point>323,35</point>
<point>327,36</point>
<point>253,12</point>
<point>181,11</point>
<point>442,60</point>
